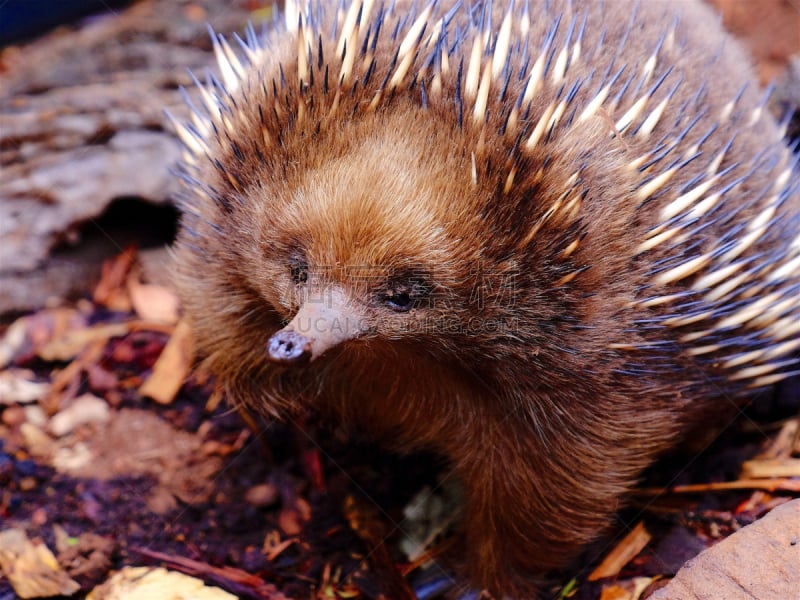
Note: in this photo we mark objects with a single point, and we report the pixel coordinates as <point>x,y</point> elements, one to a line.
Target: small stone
<point>39,517</point>
<point>262,495</point>
<point>14,416</point>
<point>161,501</point>
<point>27,484</point>
<point>85,409</point>
<point>758,561</point>
<point>16,385</point>
<point>39,444</point>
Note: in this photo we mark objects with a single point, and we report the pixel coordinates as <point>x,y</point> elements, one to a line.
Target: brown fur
<point>549,421</point>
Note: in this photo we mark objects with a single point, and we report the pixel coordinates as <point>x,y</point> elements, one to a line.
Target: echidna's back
<point>716,190</point>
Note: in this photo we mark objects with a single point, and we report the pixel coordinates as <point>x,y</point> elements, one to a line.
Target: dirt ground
<point>769,28</point>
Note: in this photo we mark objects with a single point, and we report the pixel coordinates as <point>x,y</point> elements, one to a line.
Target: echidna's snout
<point>289,348</point>
<point>322,322</point>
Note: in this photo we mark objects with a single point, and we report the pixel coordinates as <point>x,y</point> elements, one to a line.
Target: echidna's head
<point>374,238</point>
<point>359,246</point>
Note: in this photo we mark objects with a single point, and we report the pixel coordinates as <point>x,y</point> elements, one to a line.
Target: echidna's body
<point>543,240</point>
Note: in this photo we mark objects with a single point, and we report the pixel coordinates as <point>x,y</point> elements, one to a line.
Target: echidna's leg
<point>534,501</point>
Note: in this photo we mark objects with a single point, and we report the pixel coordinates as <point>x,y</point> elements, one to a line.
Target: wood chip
<point>763,469</point>
<point>785,484</point>
<point>633,543</point>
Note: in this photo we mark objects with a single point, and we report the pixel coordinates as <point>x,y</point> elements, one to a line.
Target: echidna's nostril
<point>289,348</point>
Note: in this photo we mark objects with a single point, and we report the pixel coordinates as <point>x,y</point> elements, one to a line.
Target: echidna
<point>543,239</point>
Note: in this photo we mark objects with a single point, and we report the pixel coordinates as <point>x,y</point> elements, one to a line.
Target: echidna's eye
<point>399,301</point>
<point>299,270</point>
<point>402,297</point>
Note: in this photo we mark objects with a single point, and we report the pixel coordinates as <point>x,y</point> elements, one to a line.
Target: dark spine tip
<point>289,348</point>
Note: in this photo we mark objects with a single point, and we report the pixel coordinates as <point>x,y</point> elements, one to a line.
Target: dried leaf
<point>626,590</point>
<point>146,583</point>
<point>171,368</point>
<point>26,334</point>
<point>72,343</point>
<point>153,302</point>
<point>615,592</point>
<point>31,568</point>
<point>13,341</point>
<point>66,382</point>
<point>17,386</point>
<point>295,513</point>
<point>111,291</point>
<point>274,546</point>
